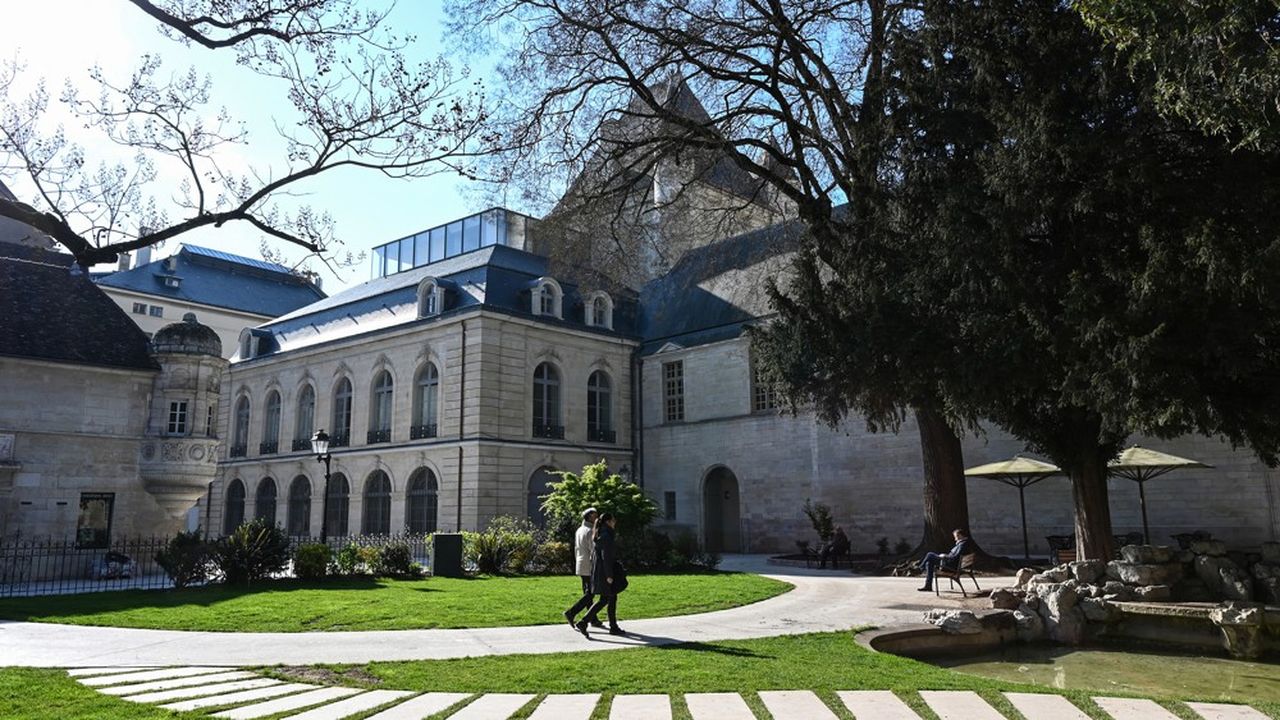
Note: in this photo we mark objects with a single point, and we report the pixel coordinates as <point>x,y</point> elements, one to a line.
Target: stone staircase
<point>244,695</point>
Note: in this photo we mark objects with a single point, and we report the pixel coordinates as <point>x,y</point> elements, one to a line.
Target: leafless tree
<point>358,102</point>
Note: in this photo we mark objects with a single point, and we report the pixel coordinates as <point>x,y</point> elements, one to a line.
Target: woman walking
<point>606,576</point>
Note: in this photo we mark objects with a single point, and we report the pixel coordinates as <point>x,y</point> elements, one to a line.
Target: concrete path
<point>821,601</point>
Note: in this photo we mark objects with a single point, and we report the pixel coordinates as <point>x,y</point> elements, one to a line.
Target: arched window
<point>600,311</point>
<point>538,482</point>
<point>426,402</point>
<point>305,422</point>
<point>341,435</point>
<point>546,298</point>
<point>264,506</point>
<point>234,515</point>
<point>240,438</point>
<point>300,507</point>
<point>377,504</point>
<point>424,503</point>
<point>430,298</point>
<point>600,408</point>
<point>546,402</point>
<point>271,425</point>
<point>380,417</point>
<point>338,505</point>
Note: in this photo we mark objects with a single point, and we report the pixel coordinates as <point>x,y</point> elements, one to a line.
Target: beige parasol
<point>1019,472</point>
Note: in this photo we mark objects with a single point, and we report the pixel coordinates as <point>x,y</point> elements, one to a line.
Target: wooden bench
<point>956,574</point>
<point>1062,548</point>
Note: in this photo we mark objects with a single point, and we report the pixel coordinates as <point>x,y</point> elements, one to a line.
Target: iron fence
<point>52,566</point>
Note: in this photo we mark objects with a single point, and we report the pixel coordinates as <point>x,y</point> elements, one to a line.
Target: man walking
<point>583,548</point>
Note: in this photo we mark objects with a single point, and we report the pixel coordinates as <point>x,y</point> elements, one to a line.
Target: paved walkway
<point>821,601</point>
<point>247,696</point>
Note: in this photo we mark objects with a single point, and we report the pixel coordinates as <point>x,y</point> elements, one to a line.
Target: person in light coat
<point>583,549</point>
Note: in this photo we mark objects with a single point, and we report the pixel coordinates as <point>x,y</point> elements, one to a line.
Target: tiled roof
<point>219,279</point>
<point>48,313</point>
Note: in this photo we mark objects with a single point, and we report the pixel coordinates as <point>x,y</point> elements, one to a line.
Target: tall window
<point>546,300</point>
<point>93,525</point>
<point>429,299</point>
<point>304,424</point>
<point>599,408</point>
<point>546,402</point>
<point>339,505</point>
<point>673,391</point>
<point>264,507</point>
<point>300,507</point>
<point>669,505</point>
<point>763,396</point>
<point>177,418</point>
<point>423,502</point>
<point>377,504</point>
<point>341,414</point>
<point>271,424</point>
<point>240,440</point>
<point>234,515</point>
<point>380,418</point>
<point>426,398</point>
<point>600,314</point>
<point>211,421</point>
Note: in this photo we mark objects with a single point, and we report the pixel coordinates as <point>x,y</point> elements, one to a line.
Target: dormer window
<point>546,298</point>
<point>172,281</point>
<point>600,311</point>
<point>430,298</point>
<point>248,344</point>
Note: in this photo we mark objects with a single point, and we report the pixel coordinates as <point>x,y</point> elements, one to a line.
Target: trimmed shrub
<point>311,561</point>
<point>395,560</point>
<point>553,557</point>
<point>255,550</point>
<point>347,561</point>
<point>186,559</point>
<point>595,487</point>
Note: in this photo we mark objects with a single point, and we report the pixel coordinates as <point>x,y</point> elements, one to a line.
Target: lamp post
<point>320,446</point>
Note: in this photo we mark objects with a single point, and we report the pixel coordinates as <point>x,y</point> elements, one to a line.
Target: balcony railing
<point>602,436</point>
<point>239,451</point>
<point>555,432</point>
<point>342,440</point>
<point>268,448</point>
<point>379,436</point>
<point>301,444</point>
<point>418,432</point>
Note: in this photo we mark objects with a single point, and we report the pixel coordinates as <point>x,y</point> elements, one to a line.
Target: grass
<point>379,604</point>
<point>39,694</point>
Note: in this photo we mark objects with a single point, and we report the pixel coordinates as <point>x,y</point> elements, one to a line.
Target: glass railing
<point>497,226</point>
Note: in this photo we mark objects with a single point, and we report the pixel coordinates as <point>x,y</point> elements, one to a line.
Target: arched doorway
<point>721,519</point>
<point>537,488</point>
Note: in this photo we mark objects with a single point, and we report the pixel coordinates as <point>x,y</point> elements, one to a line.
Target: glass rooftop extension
<point>496,226</point>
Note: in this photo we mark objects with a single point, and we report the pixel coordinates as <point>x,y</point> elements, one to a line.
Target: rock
<point>1154,593</point>
<point>1096,610</point>
<point>1265,570</point>
<point>955,622</point>
<point>1185,557</point>
<point>1088,571</point>
<point>1032,601</point>
<point>1241,627</point>
<point>1236,583</point>
<point>1114,587</point>
<point>1024,576</point>
<point>1271,553</point>
<point>1136,574</point>
<point>1212,548</point>
<point>1190,589</point>
<point>1146,554</point>
<point>1002,599</point>
<point>1268,590</point>
<point>1051,576</point>
<point>1207,569</point>
<point>1063,620</point>
<point>1030,627</point>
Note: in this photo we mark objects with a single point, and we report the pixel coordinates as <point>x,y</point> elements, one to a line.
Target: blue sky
<point>61,40</point>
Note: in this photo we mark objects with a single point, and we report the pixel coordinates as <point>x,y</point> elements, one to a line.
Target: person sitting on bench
<point>932,561</point>
<point>836,548</point>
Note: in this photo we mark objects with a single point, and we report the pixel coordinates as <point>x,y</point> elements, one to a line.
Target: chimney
<point>144,256</point>
<point>123,263</point>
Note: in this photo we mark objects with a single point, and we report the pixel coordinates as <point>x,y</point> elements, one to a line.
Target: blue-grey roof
<point>220,279</point>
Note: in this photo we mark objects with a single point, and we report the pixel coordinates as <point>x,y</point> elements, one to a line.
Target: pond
<point>1147,672</point>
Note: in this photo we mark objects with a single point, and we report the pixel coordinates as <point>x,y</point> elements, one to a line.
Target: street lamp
<point>320,446</point>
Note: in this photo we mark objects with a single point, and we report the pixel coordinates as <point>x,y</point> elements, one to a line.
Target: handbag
<point>620,581</point>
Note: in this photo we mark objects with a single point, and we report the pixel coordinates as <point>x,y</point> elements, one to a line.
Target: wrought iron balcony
<point>379,436</point>
<point>602,436</point>
<point>268,448</point>
<point>418,432</point>
<point>239,451</point>
<point>300,444</point>
<point>342,440</point>
<point>555,432</point>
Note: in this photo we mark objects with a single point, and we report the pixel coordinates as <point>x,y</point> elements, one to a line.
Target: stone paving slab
<point>165,696</point>
<point>352,705</point>
<point>718,706</point>
<point>423,706</point>
<point>145,675</point>
<point>876,705</point>
<point>796,705</point>
<point>239,698</point>
<point>1223,711</point>
<point>640,707</point>
<point>1042,706</point>
<point>175,683</point>
<point>87,671</point>
<point>285,704</point>
<point>494,706</point>
<point>959,705</point>
<point>566,707</point>
<point>1129,709</point>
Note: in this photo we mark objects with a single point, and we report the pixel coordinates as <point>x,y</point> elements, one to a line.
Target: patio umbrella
<point>1019,472</point>
<point>1140,464</point>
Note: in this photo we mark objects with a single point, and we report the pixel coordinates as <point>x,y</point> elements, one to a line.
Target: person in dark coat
<point>932,561</point>
<point>606,580</point>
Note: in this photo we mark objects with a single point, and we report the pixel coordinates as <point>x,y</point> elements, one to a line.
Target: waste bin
<point>446,555</point>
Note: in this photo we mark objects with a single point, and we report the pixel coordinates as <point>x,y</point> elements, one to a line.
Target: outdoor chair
<point>1062,548</point>
<point>956,574</point>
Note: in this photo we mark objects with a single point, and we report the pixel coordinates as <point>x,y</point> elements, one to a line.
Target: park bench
<point>956,574</point>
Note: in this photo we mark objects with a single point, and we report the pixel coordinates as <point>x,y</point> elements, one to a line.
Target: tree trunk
<point>1094,540</point>
<point>946,498</point>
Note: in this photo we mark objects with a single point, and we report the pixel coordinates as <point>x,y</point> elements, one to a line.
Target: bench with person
<point>955,563</point>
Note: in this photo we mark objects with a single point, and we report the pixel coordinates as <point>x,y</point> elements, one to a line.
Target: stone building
<point>100,437</point>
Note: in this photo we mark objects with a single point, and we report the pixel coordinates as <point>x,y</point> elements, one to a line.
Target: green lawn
<point>370,604</point>
<point>30,694</point>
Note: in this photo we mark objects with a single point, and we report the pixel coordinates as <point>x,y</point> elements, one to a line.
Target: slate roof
<point>47,313</point>
<point>220,279</point>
